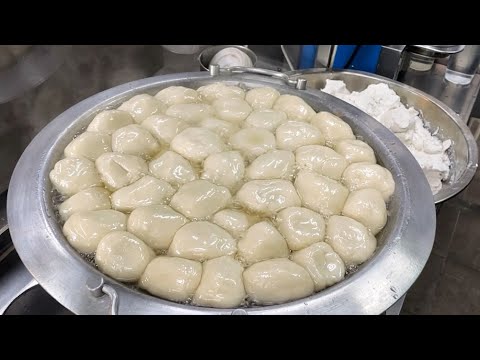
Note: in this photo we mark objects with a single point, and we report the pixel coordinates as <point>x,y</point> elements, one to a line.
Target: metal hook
<point>99,290</point>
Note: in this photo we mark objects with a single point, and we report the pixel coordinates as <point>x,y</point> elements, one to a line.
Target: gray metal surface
<point>13,282</point>
<point>390,61</point>
<point>397,307</point>
<point>85,70</point>
<point>6,245</point>
<point>404,244</point>
<point>34,68</point>
<point>460,99</point>
<point>436,113</point>
<point>3,213</point>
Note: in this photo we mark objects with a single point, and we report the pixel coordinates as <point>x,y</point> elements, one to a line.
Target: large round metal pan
<point>404,245</point>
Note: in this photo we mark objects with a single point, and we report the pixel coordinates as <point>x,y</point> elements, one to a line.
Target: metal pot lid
<point>404,244</point>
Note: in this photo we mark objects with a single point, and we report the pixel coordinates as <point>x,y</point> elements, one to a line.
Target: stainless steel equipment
<point>207,55</point>
<point>395,58</point>
<point>465,152</point>
<point>404,245</point>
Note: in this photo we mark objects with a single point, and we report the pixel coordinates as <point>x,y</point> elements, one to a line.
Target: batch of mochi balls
<point>222,197</point>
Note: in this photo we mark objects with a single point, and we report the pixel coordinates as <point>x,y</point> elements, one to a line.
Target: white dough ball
<point>172,278</point>
<point>164,127</point>
<point>221,285</point>
<point>196,144</point>
<point>275,164</point>
<point>173,168</point>
<point>301,227</point>
<point>262,242</point>
<point>234,221</point>
<point>89,145</point>
<point>191,113</point>
<point>350,239</point>
<point>222,128</point>
<point>355,151</point>
<point>95,198</point>
<point>322,160</point>
<point>268,196</point>
<point>262,97</point>
<point>253,142</point>
<point>367,207</point>
<point>123,256</point>
<point>234,110</point>
<point>320,194</point>
<point>155,225</point>
<point>363,175</point>
<point>72,175</point>
<point>295,107</point>
<point>200,198</point>
<point>322,263</point>
<point>215,91</point>
<point>135,140</point>
<point>277,281</point>
<point>142,106</point>
<point>293,134</point>
<point>119,170</point>
<point>202,240</point>
<point>225,169</point>
<point>146,191</point>
<point>266,119</point>
<point>332,127</point>
<point>108,121</point>
<point>85,229</point>
<point>177,95</point>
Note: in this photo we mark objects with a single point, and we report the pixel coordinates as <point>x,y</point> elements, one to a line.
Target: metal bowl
<point>464,154</point>
<point>207,55</point>
<point>404,245</point>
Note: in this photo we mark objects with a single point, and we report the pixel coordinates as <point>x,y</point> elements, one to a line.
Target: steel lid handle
<point>298,83</point>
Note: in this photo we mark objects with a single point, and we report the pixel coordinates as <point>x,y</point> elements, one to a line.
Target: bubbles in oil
<point>90,258</point>
<point>57,198</point>
<point>351,269</point>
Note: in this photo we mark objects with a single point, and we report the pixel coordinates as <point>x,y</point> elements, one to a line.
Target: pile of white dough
<point>383,104</point>
<point>221,197</point>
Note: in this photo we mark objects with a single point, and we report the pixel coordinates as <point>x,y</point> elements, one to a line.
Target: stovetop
<point>33,301</point>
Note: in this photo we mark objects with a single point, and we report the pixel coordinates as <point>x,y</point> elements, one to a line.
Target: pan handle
<point>298,83</point>
<point>100,289</point>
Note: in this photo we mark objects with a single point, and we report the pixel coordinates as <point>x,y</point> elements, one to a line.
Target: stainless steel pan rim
<point>406,241</point>
<point>449,189</point>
